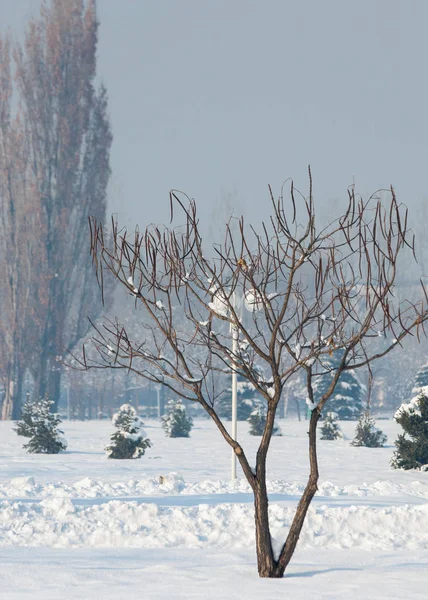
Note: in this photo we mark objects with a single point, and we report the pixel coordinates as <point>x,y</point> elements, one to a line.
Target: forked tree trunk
<point>268,566</point>
<point>266,563</point>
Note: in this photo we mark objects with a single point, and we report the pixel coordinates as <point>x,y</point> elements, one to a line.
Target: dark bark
<point>266,563</point>
<point>268,566</point>
<point>305,501</point>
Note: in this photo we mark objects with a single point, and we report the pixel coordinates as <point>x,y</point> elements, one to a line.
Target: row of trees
<point>55,142</point>
<point>129,440</point>
<point>96,394</point>
<point>41,426</point>
<point>366,433</point>
<point>321,300</point>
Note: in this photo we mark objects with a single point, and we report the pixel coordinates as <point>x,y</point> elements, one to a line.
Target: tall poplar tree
<point>66,139</point>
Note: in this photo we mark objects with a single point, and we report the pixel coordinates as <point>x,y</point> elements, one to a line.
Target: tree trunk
<point>298,409</point>
<point>49,379</point>
<point>268,566</point>
<point>7,406</point>
<point>265,559</point>
<point>286,399</point>
<point>11,407</point>
<point>42,369</point>
<point>305,501</point>
<point>17,400</point>
<point>54,388</point>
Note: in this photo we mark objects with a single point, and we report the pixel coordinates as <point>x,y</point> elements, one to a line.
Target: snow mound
<point>174,484</point>
<point>57,522</point>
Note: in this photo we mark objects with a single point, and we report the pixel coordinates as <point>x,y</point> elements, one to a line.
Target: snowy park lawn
<point>171,524</point>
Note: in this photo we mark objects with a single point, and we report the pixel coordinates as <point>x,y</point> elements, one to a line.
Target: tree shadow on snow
<point>319,572</point>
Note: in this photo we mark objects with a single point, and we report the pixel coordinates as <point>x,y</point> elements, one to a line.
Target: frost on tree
<point>129,440</point>
<point>176,423</point>
<point>40,425</point>
<point>257,421</point>
<point>367,434</point>
<point>330,429</point>
<point>247,401</point>
<point>412,445</point>
<point>349,396</point>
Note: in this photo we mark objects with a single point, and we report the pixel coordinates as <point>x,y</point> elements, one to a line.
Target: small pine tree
<point>41,425</point>
<point>348,397</point>
<point>257,421</point>
<point>330,429</point>
<point>129,440</point>
<point>247,401</point>
<point>412,451</point>
<point>176,423</point>
<point>25,425</point>
<point>367,434</point>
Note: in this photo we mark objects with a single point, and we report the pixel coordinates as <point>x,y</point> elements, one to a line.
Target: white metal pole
<point>234,398</point>
<point>68,403</point>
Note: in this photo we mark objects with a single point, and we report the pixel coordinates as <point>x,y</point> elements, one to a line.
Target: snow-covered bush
<point>176,423</point>
<point>412,451</point>
<point>421,382</point>
<point>41,425</point>
<point>367,434</point>
<point>330,429</point>
<point>349,395</point>
<point>257,421</point>
<point>129,440</point>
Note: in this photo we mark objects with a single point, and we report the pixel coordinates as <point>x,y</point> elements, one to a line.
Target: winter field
<point>76,525</point>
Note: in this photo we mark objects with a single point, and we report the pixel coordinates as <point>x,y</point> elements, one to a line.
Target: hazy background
<point>221,97</point>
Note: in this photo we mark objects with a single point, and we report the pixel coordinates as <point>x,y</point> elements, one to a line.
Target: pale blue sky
<point>221,97</point>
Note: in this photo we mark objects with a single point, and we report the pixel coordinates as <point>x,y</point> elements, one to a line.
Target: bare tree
<point>310,293</point>
<point>61,136</point>
<point>20,226</point>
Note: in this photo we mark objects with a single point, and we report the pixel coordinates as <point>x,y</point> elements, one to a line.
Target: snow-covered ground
<point>172,525</point>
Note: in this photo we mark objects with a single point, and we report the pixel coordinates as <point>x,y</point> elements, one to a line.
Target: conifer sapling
<point>348,397</point>
<point>41,426</point>
<point>176,423</point>
<point>257,421</point>
<point>129,440</point>
<point>247,401</point>
<point>330,429</point>
<point>412,451</point>
<point>366,434</point>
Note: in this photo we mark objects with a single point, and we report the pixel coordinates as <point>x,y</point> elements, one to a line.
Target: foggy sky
<point>221,97</point>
